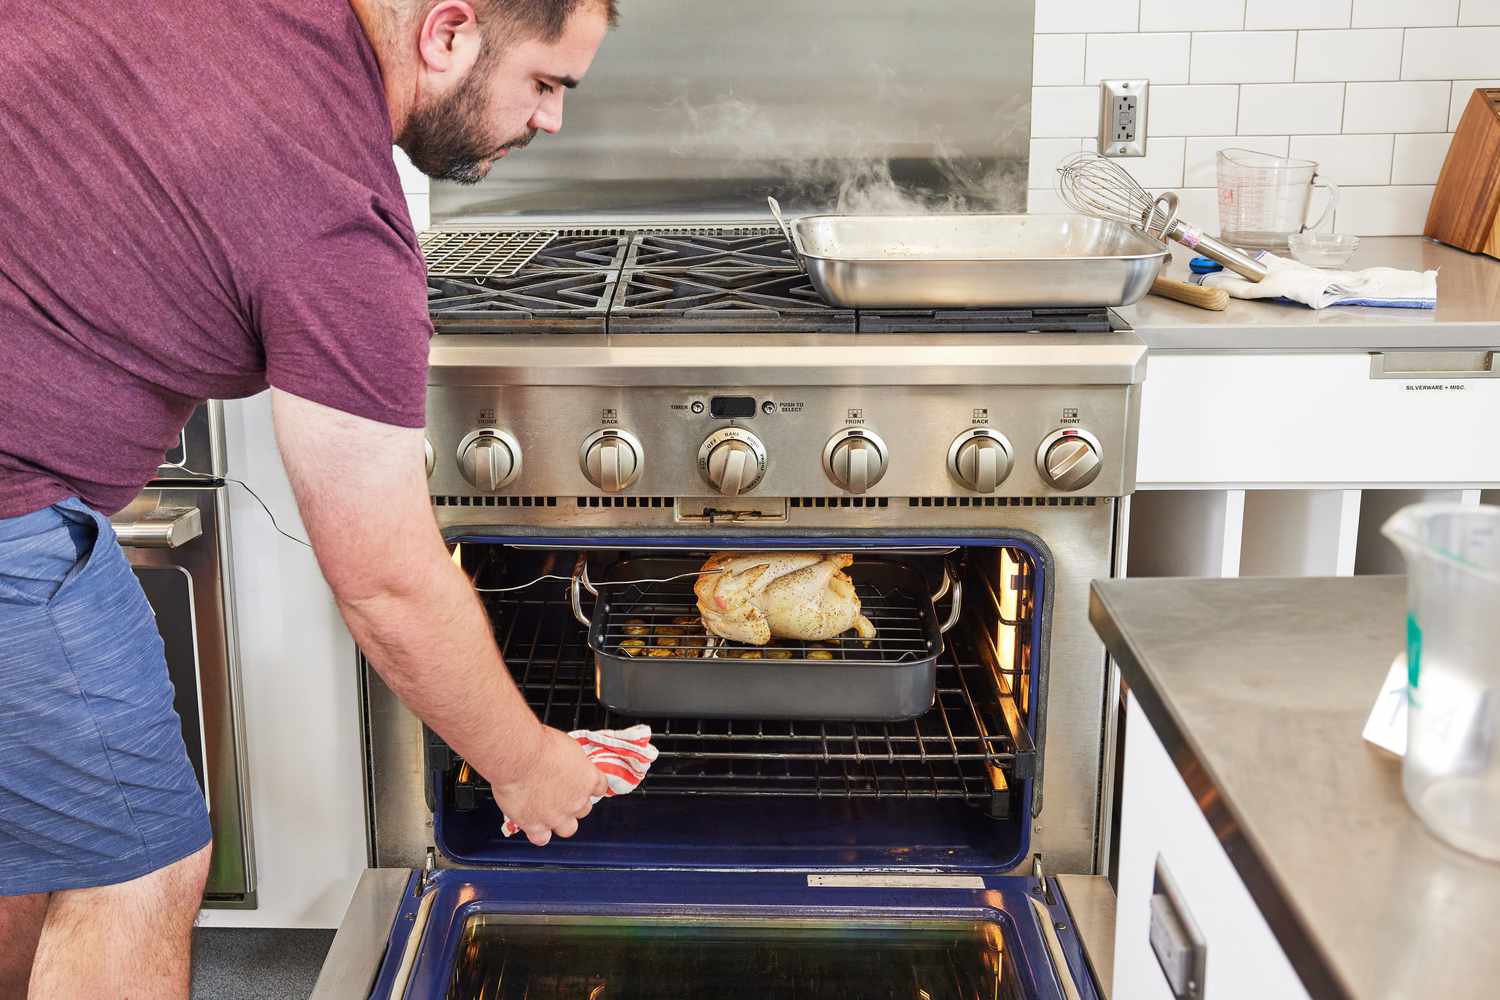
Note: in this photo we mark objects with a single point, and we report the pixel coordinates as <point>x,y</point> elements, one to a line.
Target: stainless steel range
<point>652,396</point>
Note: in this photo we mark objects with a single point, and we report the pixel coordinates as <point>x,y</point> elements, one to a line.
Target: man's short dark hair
<point>541,19</point>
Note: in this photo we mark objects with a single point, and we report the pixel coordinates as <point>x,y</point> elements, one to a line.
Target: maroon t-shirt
<point>197,199</point>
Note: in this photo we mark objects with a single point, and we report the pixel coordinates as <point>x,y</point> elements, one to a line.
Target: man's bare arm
<point>363,497</point>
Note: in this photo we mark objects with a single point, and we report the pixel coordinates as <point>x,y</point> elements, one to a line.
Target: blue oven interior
<point>948,791</point>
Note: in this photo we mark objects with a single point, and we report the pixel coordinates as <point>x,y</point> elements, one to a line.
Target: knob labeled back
<point>980,458</point>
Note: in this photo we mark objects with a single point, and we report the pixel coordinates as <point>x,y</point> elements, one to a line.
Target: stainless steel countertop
<point>1259,690</point>
<point>1467,315</point>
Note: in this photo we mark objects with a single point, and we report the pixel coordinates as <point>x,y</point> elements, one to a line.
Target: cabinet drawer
<point>1296,419</point>
<point>1161,823</point>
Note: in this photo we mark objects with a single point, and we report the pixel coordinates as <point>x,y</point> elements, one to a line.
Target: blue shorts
<point>95,784</point>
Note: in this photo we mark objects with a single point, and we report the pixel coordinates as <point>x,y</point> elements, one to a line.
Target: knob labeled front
<point>429,456</point>
<point>733,460</point>
<point>980,458</point>
<point>855,459</point>
<point>611,459</point>
<point>1069,459</point>
<point>489,459</point>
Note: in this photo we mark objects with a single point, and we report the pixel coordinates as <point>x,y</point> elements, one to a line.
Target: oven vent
<point>449,500</point>
<point>1001,501</point>
<point>631,503</point>
<point>823,503</point>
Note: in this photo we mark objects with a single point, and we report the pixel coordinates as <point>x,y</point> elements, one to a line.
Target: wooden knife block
<point>1465,210</point>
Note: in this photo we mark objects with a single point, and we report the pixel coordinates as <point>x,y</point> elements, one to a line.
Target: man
<point>198,200</point>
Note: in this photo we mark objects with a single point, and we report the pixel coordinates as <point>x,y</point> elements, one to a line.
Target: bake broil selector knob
<point>489,459</point>
<point>855,459</point>
<point>611,459</point>
<point>1069,459</point>
<point>980,458</point>
<point>733,460</point>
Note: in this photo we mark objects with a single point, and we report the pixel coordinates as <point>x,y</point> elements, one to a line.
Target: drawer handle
<point>162,528</point>
<point>1433,364</point>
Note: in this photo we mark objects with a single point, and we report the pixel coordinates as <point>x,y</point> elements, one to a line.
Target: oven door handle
<point>953,583</point>
<point>162,528</point>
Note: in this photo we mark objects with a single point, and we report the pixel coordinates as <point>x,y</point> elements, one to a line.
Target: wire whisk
<point>1095,185</point>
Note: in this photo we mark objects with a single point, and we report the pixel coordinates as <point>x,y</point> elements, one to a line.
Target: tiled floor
<point>248,964</point>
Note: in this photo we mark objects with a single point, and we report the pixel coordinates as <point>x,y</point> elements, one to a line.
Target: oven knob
<point>430,456</point>
<point>490,459</point>
<point>611,459</point>
<point>855,459</point>
<point>980,458</point>
<point>1069,459</point>
<point>733,460</point>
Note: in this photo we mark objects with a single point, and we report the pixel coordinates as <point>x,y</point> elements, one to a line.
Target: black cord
<point>246,487</point>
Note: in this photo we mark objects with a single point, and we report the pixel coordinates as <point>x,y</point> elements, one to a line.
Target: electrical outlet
<point>1122,117</point>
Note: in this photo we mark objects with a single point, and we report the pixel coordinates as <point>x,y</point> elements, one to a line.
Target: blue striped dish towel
<point>1293,281</point>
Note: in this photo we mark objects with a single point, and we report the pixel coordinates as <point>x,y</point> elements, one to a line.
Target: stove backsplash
<point>699,110</point>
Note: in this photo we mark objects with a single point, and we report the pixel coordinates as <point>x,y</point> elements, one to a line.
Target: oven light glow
<point>1010,602</point>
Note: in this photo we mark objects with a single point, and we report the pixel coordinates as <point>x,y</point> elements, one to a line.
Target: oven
<point>176,536</point>
<point>596,431</point>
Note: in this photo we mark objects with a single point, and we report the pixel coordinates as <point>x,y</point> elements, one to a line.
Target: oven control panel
<point>927,441</point>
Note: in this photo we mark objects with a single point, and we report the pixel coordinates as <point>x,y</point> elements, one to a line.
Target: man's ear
<point>449,42</point>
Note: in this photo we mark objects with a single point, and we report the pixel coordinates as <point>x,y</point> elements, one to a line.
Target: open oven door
<point>549,935</point>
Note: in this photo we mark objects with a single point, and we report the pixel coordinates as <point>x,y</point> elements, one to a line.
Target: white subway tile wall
<point>1371,89</point>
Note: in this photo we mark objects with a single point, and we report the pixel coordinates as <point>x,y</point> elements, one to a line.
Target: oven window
<point>645,958</point>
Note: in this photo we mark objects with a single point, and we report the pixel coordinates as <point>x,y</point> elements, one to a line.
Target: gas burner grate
<point>722,301</point>
<point>1086,320</point>
<point>480,254</point>
<point>538,302</point>
<point>581,253</point>
<point>732,250</point>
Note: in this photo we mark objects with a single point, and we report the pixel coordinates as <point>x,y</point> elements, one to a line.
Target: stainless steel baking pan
<point>653,656</point>
<point>955,261</point>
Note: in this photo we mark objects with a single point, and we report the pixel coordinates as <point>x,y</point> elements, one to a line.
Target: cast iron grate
<point>755,250</point>
<point>722,301</point>
<point>581,253</point>
<point>538,302</point>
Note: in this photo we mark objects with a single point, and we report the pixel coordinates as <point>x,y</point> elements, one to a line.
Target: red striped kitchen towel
<point>624,755</point>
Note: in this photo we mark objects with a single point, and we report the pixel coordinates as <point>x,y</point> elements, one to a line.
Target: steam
<point>829,165</point>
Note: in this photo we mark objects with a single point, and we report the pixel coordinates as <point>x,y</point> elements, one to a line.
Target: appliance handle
<point>1055,952</point>
<point>953,583</point>
<point>162,528</point>
<point>581,582</point>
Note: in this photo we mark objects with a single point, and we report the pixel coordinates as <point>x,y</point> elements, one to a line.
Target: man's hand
<point>552,792</point>
<point>363,497</point>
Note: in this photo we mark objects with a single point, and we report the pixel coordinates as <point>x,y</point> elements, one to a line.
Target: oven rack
<point>970,746</point>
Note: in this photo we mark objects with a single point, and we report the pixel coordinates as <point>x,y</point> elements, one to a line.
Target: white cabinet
<point>1288,464</point>
<point>1161,824</point>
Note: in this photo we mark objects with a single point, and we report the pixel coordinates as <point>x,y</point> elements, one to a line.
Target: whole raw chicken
<point>752,596</point>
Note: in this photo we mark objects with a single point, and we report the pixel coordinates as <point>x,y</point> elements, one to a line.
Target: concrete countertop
<point>1467,315</point>
<point>1259,690</point>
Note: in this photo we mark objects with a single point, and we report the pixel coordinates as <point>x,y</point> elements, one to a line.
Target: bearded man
<point>198,200</point>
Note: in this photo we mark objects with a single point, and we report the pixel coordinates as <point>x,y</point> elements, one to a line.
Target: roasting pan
<point>970,261</point>
<point>654,658</point>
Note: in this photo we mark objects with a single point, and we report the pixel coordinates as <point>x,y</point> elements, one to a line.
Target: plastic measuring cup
<point>1264,199</point>
<point>1451,775</point>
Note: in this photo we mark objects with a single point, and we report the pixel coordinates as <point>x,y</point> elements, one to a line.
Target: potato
<point>632,647</point>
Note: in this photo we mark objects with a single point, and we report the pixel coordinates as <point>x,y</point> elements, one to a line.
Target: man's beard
<point>446,138</point>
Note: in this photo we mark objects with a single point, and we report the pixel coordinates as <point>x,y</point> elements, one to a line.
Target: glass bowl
<point>1323,249</point>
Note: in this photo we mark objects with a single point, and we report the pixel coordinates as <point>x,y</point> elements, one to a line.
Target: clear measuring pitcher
<point>1451,775</point>
<point>1264,199</point>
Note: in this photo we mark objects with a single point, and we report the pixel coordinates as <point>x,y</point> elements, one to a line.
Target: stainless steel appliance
<point>680,390</point>
<point>177,539</point>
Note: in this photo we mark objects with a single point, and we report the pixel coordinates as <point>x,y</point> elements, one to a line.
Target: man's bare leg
<point>131,940</point>
<point>20,926</point>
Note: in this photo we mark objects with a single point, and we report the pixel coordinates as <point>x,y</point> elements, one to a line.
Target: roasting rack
<point>970,746</point>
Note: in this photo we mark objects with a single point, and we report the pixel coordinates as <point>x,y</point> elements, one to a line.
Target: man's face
<point>468,117</point>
